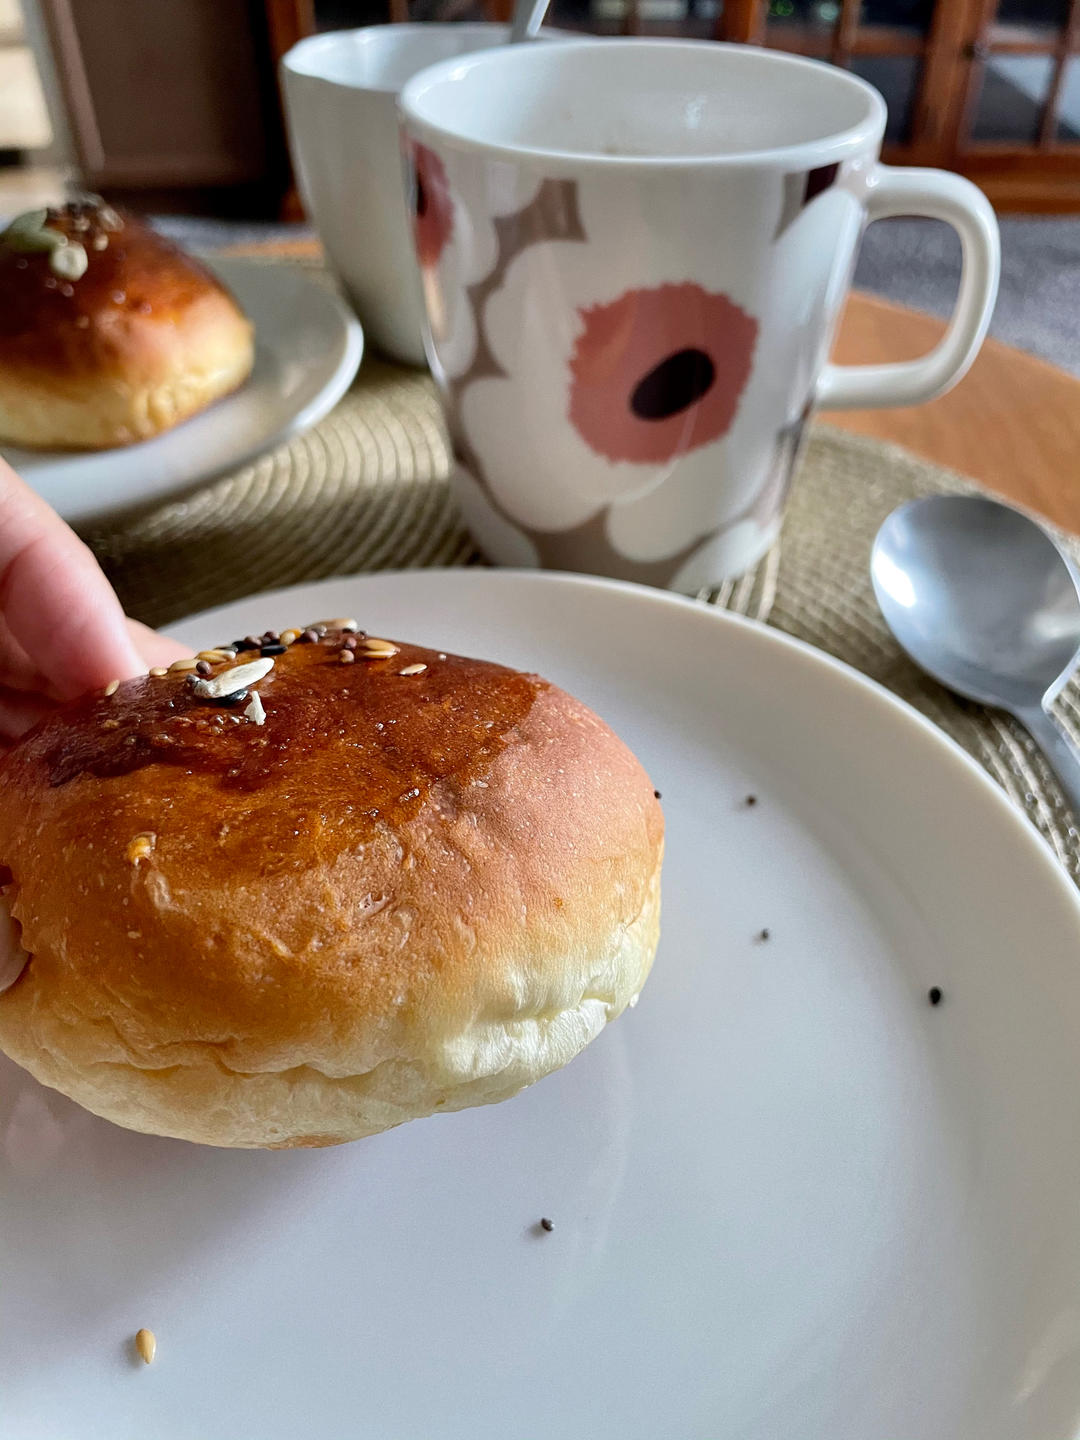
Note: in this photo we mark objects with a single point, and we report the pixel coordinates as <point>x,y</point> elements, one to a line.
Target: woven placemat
<point>366,489</point>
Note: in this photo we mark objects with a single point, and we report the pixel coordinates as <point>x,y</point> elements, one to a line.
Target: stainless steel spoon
<point>526,20</point>
<point>983,600</point>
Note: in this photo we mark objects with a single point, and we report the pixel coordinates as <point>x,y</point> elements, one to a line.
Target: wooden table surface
<point>1013,423</point>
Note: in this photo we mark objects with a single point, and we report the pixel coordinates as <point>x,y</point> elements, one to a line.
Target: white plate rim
<point>227,268</point>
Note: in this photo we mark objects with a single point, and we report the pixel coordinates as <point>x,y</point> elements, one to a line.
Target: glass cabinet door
<point>1025,89</point>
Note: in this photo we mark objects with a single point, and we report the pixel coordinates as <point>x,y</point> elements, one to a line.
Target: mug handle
<point>941,196</point>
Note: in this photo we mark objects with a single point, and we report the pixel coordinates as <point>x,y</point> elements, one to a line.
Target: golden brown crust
<point>144,339</point>
<point>401,893</point>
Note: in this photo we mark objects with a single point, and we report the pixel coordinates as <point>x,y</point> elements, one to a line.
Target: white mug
<point>635,255</point>
<point>341,111</point>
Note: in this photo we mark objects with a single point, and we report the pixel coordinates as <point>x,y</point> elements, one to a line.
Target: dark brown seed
<point>252,642</point>
<point>546,1224</point>
<point>934,995</point>
<point>657,794</point>
<point>349,643</point>
<point>763,934</point>
<point>270,637</point>
<point>308,637</point>
<point>204,668</point>
<point>751,800</point>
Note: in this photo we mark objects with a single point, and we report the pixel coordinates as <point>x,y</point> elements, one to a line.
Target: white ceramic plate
<point>308,346</point>
<point>792,1200</point>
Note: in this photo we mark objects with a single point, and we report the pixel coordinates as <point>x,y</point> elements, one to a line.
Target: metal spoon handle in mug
<point>527,18</point>
<point>1061,752</point>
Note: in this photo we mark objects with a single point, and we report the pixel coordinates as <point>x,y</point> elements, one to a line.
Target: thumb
<point>57,602</point>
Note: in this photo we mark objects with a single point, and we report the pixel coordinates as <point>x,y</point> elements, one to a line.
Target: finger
<point>17,670</point>
<point>19,711</point>
<point>152,648</point>
<point>54,597</point>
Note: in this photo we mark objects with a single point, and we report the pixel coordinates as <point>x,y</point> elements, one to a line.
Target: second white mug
<point>341,94</point>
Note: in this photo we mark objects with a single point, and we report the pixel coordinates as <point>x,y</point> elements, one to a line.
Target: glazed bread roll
<point>108,332</point>
<point>377,883</point>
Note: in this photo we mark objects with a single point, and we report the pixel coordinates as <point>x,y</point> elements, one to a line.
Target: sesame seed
<point>441,655</point>
<point>346,657</point>
<point>378,649</point>
<point>187,663</point>
<point>413,670</point>
<point>159,670</point>
<point>141,847</point>
<point>146,1345</point>
<point>341,623</point>
<point>112,687</point>
<point>110,724</point>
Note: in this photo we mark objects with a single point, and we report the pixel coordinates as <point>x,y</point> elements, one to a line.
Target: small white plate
<point>792,1200</point>
<point>308,346</point>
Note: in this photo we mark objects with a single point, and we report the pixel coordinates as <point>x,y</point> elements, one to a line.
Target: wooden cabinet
<point>987,87</point>
<point>175,102</point>
<point>181,96</point>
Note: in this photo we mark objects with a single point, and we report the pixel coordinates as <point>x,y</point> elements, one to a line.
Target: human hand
<point>62,630</point>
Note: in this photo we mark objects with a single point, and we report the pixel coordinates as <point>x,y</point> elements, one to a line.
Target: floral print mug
<point>633,255</point>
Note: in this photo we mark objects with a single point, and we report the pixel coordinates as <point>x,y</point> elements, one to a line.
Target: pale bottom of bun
<point>203,1100</point>
<point>104,413</point>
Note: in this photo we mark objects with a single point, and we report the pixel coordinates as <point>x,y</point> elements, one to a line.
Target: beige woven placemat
<point>366,489</point>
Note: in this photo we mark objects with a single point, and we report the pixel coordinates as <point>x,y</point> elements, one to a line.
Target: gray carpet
<point>916,262</point>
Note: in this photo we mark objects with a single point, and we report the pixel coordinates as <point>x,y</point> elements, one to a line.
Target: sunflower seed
<point>228,682</point>
<point>69,261</point>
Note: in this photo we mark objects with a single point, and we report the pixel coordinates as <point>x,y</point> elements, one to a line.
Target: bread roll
<point>108,332</point>
<point>398,882</point>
